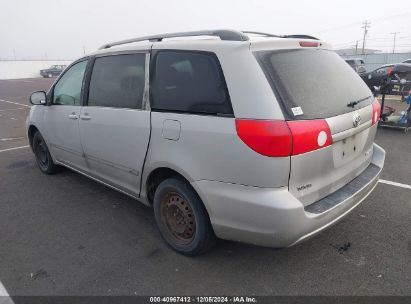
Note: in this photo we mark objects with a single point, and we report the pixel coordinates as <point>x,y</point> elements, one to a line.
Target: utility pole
<point>14,54</point>
<point>356,47</point>
<point>365,27</point>
<point>395,38</point>
<point>84,50</point>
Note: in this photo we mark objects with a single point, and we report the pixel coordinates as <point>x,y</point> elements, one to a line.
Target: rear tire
<point>43,157</point>
<point>182,218</point>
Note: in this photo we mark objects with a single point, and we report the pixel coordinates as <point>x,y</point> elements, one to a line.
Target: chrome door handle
<point>73,116</point>
<point>85,117</point>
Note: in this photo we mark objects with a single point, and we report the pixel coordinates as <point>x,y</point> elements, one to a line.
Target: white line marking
<point>13,109</point>
<point>11,138</point>
<point>16,103</point>
<point>383,181</point>
<point>18,80</point>
<point>3,291</point>
<point>15,148</point>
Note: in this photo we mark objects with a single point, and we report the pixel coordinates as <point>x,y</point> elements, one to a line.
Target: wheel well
<point>156,177</point>
<point>32,131</point>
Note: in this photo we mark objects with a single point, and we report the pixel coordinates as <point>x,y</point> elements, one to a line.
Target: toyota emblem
<point>356,119</point>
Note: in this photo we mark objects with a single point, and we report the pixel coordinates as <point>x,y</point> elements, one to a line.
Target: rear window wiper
<point>352,104</point>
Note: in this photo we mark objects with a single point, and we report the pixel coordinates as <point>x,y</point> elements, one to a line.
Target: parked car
<point>53,71</point>
<point>230,138</point>
<point>407,61</point>
<point>378,76</point>
<point>357,64</point>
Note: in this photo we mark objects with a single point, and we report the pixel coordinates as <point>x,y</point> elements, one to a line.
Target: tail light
<point>309,135</point>
<point>376,111</point>
<point>278,138</point>
<point>267,137</point>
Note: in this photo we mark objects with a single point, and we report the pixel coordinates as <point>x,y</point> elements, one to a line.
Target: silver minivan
<point>241,136</point>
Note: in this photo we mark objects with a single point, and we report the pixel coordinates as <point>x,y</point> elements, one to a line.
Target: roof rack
<point>229,35</point>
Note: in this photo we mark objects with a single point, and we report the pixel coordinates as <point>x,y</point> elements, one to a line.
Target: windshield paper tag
<point>297,111</point>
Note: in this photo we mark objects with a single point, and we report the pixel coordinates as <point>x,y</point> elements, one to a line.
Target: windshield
<point>313,84</point>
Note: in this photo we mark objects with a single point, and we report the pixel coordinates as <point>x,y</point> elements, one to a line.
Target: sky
<point>65,29</point>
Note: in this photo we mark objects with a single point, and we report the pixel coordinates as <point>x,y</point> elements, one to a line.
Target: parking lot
<point>68,235</point>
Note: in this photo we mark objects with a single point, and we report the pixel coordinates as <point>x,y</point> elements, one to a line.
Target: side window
<point>118,81</point>
<point>67,91</point>
<point>190,82</point>
<point>384,70</point>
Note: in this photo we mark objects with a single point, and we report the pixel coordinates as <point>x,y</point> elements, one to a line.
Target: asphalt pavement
<point>68,235</point>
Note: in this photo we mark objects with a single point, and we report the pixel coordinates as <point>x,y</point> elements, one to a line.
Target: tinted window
<point>67,91</point>
<point>313,84</point>
<point>117,81</point>
<point>189,82</point>
<point>384,70</point>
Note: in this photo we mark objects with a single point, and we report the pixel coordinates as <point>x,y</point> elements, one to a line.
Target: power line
<point>374,20</point>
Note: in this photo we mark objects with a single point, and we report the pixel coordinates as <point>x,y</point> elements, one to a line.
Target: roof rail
<point>229,35</point>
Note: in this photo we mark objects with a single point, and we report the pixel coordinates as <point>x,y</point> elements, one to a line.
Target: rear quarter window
<point>189,82</point>
<point>313,84</point>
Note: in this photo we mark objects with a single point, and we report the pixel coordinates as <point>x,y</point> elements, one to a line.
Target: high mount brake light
<point>309,44</point>
<point>376,111</point>
<point>279,138</point>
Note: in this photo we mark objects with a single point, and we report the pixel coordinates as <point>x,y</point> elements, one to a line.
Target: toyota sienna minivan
<point>242,136</point>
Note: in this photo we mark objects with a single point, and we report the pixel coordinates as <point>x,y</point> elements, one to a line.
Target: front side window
<point>117,81</point>
<point>189,82</point>
<point>67,91</point>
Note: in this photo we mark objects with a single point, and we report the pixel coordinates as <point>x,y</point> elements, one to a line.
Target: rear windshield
<point>313,84</point>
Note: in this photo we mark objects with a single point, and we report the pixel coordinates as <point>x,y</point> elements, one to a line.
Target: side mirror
<point>38,98</point>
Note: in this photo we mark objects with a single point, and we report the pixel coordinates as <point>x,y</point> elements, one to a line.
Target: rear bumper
<point>273,217</point>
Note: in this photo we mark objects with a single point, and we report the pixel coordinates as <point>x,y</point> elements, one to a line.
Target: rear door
<point>316,88</point>
<point>115,123</point>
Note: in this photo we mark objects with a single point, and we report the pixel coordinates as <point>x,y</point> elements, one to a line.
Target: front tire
<point>43,157</point>
<point>182,218</point>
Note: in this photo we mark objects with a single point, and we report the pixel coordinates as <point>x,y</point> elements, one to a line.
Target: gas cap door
<point>171,129</point>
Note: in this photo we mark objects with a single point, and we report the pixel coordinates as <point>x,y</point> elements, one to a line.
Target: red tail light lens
<point>309,135</point>
<point>279,138</point>
<point>309,44</point>
<point>376,111</point>
<point>267,137</point>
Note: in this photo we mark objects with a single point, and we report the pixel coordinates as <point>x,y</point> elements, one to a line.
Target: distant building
<point>353,51</point>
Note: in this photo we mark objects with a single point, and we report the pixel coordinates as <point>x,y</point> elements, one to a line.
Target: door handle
<point>73,116</point>
<point>85,117</point>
